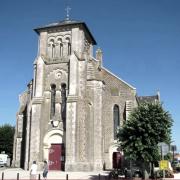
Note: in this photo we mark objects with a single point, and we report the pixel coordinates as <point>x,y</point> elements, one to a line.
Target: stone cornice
<point>94,79</point>
<point>48,61</point>
<point>37,100</point>
<point>72,98</point>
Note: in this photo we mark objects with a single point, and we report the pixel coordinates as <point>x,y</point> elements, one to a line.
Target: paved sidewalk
<point>12,174</point>
<point>177,176</point>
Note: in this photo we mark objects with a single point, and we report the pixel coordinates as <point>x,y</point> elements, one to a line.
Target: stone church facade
<point>71,109</point>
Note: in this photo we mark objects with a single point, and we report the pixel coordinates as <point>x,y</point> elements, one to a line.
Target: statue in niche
<point>58,112</point>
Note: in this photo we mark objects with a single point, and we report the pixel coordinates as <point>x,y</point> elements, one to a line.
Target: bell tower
<point>57,41</point>
<point>60,74</point>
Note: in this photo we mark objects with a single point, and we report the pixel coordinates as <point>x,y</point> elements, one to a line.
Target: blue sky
<point>140,40</point>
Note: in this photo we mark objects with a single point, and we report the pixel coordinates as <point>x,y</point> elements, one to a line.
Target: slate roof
<point>65,23</point>
<point>147,99</point>
<point>109,72</point>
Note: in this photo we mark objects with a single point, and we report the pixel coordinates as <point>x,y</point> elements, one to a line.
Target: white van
<point>3,160</point>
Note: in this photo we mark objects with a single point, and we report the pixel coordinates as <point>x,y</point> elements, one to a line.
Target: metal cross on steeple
<point>67,12</point>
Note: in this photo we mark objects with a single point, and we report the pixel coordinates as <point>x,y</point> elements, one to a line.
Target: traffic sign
<point>164,148</point>
<point>164,165</point>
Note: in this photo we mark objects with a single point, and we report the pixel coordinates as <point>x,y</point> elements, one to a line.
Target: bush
<point>115,173</point>
<point>168,174</point>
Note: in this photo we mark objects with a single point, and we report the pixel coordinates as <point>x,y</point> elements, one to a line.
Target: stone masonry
<point>73,103</point>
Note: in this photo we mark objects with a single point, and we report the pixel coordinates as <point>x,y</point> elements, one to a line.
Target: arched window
<point>116,119</point>
<point>61,49</point>
<point>51,48</point>
<point>63,105</point>
<point>69,48</point>
<point>53,100</point>
<point>68,45</point>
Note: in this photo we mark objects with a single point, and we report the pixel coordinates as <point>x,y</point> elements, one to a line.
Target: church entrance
<point>117,160</point>
<point>56,157</point>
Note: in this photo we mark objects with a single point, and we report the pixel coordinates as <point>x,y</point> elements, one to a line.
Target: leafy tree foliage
<point>6,139</point>
<point>148,124</point>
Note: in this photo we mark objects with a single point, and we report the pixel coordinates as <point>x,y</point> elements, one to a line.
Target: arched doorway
<point>117,160</point>
<point>56,157</point>
<point>54,150</point>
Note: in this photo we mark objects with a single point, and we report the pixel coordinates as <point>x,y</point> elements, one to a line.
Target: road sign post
<point>164,149</point>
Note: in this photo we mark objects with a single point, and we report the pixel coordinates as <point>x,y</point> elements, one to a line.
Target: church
<point>71,109</point>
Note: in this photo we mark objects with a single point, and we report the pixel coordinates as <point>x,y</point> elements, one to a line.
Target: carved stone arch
<point>113,148</point>
<point>57,77</point>
<point>49,134</point>
<point>51,47</point>
<point>68,39</point>
<point>117,105</point>
<point>59,38</point>
<point>67,36</point>
<point>51,39</point>
<point>67,44</point>
<point>54,136</point>
<point>59,46</point>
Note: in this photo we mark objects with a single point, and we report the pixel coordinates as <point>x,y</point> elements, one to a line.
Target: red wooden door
<point>117,160</point>
<point>55,157</point>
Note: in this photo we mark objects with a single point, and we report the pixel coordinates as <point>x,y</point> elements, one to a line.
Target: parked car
<point>127,173</point>
<point>176,165</point>
<point>3,160</point>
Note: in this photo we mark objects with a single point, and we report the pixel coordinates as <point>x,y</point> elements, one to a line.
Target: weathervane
<point>67,12</point>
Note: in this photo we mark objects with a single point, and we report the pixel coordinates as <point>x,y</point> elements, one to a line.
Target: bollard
<point>109,176</point>
<point>66,176</point>
<point>99,176</point>
<point>17,176</point>
<point>2,175</point>
<point>39,177</point>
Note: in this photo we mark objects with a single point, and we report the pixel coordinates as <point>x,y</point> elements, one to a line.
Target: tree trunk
<point>152,171</point>
<point>145,171</point>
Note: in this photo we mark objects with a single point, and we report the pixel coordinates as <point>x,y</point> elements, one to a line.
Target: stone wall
<point>116,92</point>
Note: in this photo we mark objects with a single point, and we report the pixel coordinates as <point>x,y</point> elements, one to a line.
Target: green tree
<point>148,124</point>
<point>6,139</point>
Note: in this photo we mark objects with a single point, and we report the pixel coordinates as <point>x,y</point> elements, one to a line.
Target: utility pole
<point>173,149</point>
